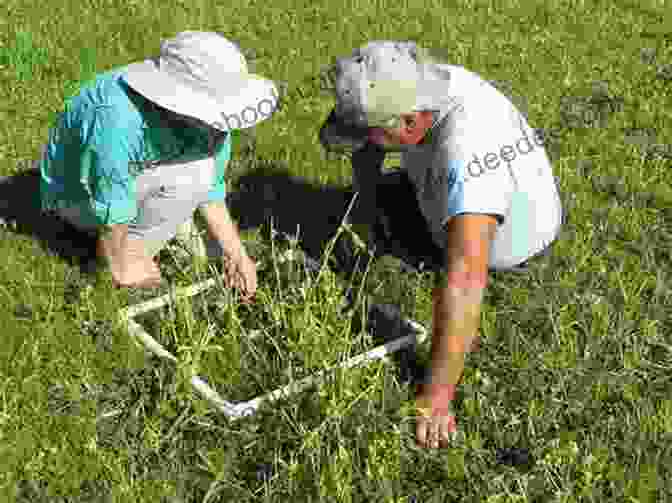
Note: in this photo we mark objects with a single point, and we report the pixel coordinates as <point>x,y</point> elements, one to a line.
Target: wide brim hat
<point>205,76</point>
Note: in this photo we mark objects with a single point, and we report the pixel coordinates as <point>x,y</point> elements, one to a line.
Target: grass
<point>576,355</point>
<point>279,339</point>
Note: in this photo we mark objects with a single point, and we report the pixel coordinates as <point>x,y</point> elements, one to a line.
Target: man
<point>141,147</point>
<point>476,173</point>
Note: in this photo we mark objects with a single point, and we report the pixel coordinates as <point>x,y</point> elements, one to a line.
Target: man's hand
<point>435,423</point>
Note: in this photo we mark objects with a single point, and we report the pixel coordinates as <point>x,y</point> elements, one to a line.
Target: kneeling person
<point>141,147</point>
<point>480,179</point>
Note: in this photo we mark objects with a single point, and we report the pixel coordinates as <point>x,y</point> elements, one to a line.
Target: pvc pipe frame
<point>417,334</point>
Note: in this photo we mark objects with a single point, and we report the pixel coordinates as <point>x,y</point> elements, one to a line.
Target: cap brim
<point>238,101</point>
<point>336,135</point>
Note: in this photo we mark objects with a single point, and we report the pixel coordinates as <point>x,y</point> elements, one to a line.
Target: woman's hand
<point>240,272</point>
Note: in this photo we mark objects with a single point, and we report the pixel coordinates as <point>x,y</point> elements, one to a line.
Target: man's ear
<point>415,125</point>
<point>418,121</point>
<point>426,117</point>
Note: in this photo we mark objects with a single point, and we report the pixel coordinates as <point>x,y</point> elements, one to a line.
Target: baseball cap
<point>205,76</point>
<point>375,85</point>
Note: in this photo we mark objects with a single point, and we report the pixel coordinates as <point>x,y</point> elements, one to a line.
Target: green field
<point>576,356</point>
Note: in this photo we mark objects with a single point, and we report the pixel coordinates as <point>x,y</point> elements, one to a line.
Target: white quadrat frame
<point>416,334</point>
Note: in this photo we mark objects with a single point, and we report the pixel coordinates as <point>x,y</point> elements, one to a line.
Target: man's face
<point>411,130</point>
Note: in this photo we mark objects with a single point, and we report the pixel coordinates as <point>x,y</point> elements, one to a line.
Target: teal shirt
<point>101,143</point>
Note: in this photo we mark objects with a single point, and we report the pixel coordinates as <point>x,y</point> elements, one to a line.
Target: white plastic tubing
<point>417,334</point>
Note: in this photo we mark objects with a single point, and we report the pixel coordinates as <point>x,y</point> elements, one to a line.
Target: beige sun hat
<point>205,76</point>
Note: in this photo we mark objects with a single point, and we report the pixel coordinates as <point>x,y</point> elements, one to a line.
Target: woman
<point>141,147</point>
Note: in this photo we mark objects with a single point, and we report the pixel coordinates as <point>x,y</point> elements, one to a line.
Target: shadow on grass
<point>271,193</point>
<point>265,194</point>
<point>268,193</point>
<point>20,209</point>
<point>269,196</point>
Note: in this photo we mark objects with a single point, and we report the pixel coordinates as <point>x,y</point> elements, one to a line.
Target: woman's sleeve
<point>222,157</point>
<point>105,159</point>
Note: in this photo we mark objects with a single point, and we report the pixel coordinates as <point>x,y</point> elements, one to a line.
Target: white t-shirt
<point>485,158</point>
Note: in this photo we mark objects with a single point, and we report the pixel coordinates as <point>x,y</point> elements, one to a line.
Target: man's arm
<point>367,164</point>
<point>458,295</point>
<point>367,161</point>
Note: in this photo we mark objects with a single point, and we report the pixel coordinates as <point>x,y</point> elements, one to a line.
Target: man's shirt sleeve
<point>105,174</point>
<point>487,195</point>
<point>470,180</point>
